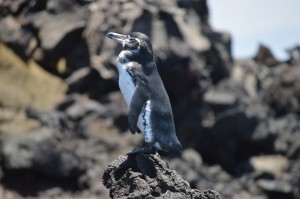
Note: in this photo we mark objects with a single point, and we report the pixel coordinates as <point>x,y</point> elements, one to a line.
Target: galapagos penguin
<point>150,110</point>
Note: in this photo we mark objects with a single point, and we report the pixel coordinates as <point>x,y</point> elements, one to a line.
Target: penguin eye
<point>131,39</point>
<point>132,42</point>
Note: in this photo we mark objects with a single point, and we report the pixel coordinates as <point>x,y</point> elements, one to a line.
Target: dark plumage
<point>143,90</point>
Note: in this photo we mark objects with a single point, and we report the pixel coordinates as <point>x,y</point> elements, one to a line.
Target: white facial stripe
<point>138,42</point>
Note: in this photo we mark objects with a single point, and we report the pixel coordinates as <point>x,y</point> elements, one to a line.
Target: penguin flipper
<point>137,103</point>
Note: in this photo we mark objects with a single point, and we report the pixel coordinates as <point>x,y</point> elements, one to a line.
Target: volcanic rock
<point>282,93</point>
<point>230,114</point>
<point>265,56</point>
<point>146,176</point>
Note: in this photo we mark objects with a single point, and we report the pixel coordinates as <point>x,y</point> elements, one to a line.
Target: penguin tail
<point>171,145</point>
<point>175,150</point>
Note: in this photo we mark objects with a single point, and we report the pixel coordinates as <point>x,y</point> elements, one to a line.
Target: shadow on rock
<point>143,176</point>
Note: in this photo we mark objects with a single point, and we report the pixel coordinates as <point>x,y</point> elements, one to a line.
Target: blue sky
<point>250,22</point>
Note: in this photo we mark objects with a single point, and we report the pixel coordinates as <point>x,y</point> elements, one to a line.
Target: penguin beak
<point>117,37</point>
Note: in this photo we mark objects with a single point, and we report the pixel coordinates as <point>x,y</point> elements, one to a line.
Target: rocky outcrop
<point>24,85</point>
<point>282,93</point>
<point>52,159</point>
<point>60,101</point>
<point>148,176</point>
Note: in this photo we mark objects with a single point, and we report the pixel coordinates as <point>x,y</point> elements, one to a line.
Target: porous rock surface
<point>238,120</point>
<point>148,176</point>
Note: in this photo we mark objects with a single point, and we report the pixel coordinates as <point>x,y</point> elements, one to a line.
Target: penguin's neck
<point>132,56</point>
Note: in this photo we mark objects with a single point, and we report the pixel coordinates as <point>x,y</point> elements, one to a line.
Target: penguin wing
<point>138,100</point>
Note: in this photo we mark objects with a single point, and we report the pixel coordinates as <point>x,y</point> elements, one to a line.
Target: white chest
<point>127,88</point>
<point>126,83</point>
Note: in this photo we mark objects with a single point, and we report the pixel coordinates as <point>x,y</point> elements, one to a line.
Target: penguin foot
<point>145,150</point>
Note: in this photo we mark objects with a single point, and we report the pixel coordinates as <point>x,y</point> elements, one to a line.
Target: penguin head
<point>136,42</point>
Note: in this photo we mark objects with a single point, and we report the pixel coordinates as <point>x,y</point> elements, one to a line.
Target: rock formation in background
<point>238,120</point>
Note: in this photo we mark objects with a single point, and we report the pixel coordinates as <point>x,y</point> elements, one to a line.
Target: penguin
<point>150,110</point>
